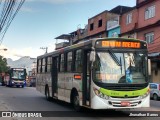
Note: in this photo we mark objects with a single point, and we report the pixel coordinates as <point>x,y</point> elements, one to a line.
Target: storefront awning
<point>153,54</point>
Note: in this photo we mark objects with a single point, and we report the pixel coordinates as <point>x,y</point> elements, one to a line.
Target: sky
<point>39,22</point>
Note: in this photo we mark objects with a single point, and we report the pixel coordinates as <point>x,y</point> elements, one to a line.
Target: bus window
<point>39,66</point>
<point>69,61</point>
<point>49,62</point>
<point>78,61</point>
<point>43,65</point>
<point>62,63</point>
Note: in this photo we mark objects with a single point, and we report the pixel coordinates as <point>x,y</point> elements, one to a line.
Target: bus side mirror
<point>149,67</point>
<point>92,56</point>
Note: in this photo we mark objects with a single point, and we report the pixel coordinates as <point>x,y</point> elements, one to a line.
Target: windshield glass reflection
<point>110,67</point>
<point>18,75</point>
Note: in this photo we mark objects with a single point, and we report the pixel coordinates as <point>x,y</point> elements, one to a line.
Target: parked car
<point>154,91</point>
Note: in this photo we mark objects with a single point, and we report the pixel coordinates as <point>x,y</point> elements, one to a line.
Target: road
<point>28,99</point>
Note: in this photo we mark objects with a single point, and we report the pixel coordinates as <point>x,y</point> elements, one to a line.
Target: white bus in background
<point>104,73</point>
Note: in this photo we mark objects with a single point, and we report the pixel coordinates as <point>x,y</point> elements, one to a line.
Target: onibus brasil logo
<point>21,114</point>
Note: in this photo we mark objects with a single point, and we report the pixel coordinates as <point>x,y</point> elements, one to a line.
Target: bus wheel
<point>47,93</point>
<point>76,102</point>
<point>155,97</point>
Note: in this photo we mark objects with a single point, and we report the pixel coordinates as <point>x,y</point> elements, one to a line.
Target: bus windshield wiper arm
<point>121,64</point>
<point>114,58</point>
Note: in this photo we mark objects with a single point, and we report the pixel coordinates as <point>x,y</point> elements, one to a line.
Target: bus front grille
<point>118,103</point>
<point>124,97</point>
<point>124,88</point>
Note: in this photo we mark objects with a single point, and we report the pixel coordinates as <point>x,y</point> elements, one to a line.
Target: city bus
<point>16,77</point>
<point>102,73</point>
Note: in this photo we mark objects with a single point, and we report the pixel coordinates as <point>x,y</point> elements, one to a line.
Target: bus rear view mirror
<point>92,56</point>
<point>149,67</point>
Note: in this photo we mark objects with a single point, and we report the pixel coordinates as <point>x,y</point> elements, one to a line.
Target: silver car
<point>154,90</point>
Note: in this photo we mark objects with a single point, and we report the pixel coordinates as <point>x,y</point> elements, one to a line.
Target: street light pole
<point>5,49</point>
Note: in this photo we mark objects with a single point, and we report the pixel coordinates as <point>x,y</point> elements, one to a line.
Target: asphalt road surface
<point>28,99</point>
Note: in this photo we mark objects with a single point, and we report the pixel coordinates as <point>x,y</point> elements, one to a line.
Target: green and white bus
<point>102,73</point>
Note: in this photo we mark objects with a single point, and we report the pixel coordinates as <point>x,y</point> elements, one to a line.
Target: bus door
<point>86,78</point>
<point>54,73</point>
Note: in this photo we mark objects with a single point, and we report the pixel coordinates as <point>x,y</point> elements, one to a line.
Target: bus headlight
<point>145,95</point>
<point>101,95</point>
<point>12,82</point>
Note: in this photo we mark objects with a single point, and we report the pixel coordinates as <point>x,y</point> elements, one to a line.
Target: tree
<point>3,64</point>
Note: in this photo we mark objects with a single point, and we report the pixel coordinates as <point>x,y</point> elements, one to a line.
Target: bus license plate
<point>125,103</point>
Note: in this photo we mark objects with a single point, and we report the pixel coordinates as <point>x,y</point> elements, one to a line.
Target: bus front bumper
<point>17,83</point>
<point>120,103</point>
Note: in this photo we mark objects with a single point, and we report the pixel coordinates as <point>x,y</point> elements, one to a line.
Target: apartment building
<point>97,25</point>
<point>114,23</point>
<point>129,21</point>
<point>148,29</point>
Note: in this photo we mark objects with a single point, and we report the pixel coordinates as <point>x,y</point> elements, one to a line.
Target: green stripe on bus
<point>123,93</point>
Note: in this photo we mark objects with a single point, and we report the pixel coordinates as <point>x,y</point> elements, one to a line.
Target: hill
<point>26,62</point>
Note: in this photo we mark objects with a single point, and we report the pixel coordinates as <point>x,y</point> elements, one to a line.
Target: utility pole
<point>44,48</point>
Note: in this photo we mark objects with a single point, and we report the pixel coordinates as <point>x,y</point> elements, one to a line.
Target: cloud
<point>57,1</point>
<point>16,53</point>
<point>28,9</point>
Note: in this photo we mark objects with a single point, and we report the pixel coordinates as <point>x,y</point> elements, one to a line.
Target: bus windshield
<point>18,75</point>
<point>120,67</point>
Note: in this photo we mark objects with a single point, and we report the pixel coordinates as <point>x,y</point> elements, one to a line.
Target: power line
<point>10,10</point>
<point>7,13</point>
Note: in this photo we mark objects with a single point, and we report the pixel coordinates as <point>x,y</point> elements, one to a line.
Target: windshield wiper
<point>115,58</point>
<point>121,64</point>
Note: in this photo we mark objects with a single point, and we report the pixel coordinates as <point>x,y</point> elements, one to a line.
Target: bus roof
<point>85,43</point>
<point>17,68</point>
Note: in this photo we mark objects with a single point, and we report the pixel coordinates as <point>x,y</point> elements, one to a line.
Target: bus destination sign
<point>118,44</point>
<point>18,69</point>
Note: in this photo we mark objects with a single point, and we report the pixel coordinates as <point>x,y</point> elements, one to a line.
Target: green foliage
<point>3,64</point>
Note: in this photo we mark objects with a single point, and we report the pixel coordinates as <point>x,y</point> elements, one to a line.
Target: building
<point>66,41</point>
<point>97,25</point>
<point>72,38</point>
<point>148,29</point>
<point>115,23</point>
<point>128,23</point>
<point>79,35</point>
<point>107,23</point>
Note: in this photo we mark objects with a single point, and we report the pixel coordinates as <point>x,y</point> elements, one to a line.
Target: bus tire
<point>155,97</point>
<point>76,102</point>
<point>47,93</point>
